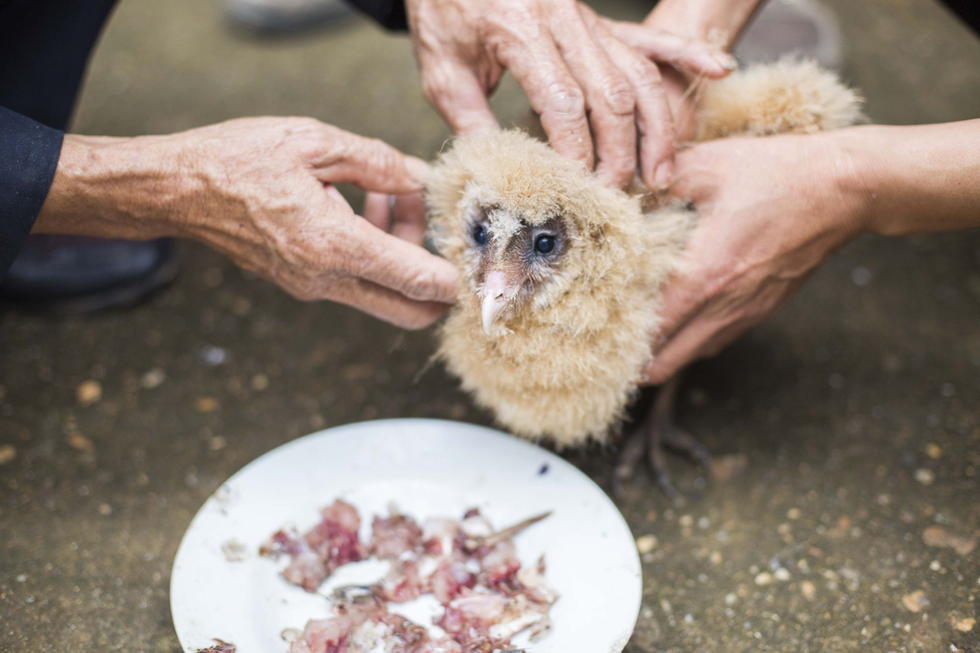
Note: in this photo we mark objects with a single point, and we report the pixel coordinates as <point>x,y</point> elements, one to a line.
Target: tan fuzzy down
<point>790,95</point>
<point>567,365</point>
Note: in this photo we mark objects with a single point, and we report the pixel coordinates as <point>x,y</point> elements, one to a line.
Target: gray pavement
<point>849,425</point>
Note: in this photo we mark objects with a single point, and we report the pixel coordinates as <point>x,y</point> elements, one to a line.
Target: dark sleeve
<point>967,10</point>
<point>28,157</point>
<point>389,13</point>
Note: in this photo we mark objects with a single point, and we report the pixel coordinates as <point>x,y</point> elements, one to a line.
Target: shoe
<point>77,274</point>
<point>805,28</point>
<point>285,16</point>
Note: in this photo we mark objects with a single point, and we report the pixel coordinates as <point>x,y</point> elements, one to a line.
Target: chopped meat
<point>315,555</point>
<point>534,585</point>
<point>220,646</point>
<point>402,583</point>
<point>394,536</point>
<point>442,645</point>
<point>469,616</point>
<point>449,578</point>
<point>500,566</point>
<point>333,634</point>
<point>472,570</point>
<point>439,535</point>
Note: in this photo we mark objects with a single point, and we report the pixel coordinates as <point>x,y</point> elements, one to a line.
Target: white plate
<point>426,468</point>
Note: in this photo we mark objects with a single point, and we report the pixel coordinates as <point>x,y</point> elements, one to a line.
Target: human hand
<point>715,22</point>
<point>261,191</point>
<point>677,81</point>
<point>586,84</point>
<point>771,210</point>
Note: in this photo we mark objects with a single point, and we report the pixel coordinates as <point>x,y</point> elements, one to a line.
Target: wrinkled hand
<point>586,84</point>
<point>678,79</point>
<point>264,196</point>
<point>772,209</point>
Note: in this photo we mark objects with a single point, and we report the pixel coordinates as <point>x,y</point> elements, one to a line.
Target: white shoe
<point>803,27</point>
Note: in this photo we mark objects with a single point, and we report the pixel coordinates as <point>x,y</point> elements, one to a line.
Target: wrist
<point>114,187</point>
<point>860,177</point>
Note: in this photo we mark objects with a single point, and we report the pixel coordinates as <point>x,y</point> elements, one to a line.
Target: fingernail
<point>663,176</point>
<point>726,61</point>
<point>417,168</point>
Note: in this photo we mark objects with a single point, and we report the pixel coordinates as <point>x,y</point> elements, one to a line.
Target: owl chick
<point>562,275</point>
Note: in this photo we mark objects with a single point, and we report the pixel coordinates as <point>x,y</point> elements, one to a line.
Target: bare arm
<point>260,191</point>
<point>920,178</point>
<point>772,209</point>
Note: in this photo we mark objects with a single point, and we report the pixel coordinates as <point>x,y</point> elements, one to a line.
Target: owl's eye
<point>480,234</point>
<point>544,244</point>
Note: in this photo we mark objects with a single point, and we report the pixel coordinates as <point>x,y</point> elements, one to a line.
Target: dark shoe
<point>802,27</point>
<point>285,16</point>
<point>76,274</point>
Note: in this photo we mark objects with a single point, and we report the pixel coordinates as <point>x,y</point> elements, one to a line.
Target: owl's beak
<point>499,289</point>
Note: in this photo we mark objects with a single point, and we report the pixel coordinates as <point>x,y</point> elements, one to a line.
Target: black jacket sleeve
<point>389,13</point>
<point>28,157</point>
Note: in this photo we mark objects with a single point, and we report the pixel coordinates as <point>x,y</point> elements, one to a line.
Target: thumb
<point>369,163</point>
<point>696,172</point>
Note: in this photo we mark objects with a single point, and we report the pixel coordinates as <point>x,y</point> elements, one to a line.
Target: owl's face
<point>513,259</point>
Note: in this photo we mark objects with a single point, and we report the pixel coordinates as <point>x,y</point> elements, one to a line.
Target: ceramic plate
<point>426,468</point>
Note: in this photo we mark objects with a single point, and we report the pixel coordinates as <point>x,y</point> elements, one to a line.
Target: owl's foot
<point>649,441</point>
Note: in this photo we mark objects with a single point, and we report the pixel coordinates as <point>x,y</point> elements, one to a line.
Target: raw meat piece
<point>315,555</point>
<point>394,536</point>
<point>472,570</point>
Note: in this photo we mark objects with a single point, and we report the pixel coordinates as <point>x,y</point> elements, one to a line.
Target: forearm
<point>717,21</point>
<point>115,187</point>
<point>915,179</point>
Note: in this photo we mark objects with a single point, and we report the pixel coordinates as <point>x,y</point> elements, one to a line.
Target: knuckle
<point>622,168</point>
<point>619,97</point>
<point>433,87</point>
<point>383,157</point>
<point>303,292</point>
<point>650,86</point>
<point>437,80</point>
<point>564,100</point>
<point>421,285</point>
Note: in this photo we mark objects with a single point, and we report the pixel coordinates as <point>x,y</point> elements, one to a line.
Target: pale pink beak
<point>498,291</point>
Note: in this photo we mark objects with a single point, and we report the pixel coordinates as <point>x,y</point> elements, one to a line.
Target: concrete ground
<point>849,425</point>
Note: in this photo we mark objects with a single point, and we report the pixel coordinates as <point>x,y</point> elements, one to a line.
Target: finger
<point>653,117</point>
<point>385,304</point>
<point>608,94</point>
<point>553,93</point>
<point>367,162</point>
<point>401,266</point>
<point>682,52</point>
<point>377,210</point>
<point>457,95</point>
<point>697,170</point>
<point>680,350</point>
<point>409,218</point>
<point>683,298</point>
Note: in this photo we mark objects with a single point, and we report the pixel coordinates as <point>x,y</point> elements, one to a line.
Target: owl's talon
<point>633,451</point>
<point>685,443</point>
<point>664,482</point>
<point>649,441</point>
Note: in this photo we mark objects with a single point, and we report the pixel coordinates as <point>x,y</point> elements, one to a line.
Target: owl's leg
<point>657,433</point>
